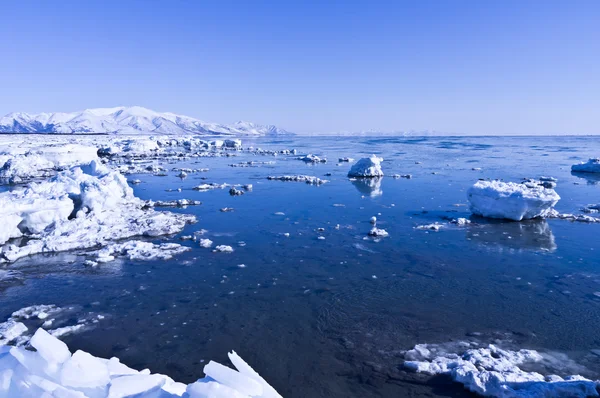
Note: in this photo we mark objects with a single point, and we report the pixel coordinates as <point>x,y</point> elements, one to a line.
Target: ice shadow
<point>368,186</point>
<point>591,178</point>
<point>529,235</point>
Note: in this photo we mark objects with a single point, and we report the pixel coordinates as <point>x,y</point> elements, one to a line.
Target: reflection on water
<point>369,186</point>
<point>591,178</point>
<point>533,235</point>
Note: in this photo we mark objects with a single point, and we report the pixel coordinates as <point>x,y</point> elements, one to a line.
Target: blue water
<point>307,313</point>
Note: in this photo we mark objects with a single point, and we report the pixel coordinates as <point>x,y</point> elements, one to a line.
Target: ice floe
<point>52,371</point>
<point>509,200</point>
<point>139,250</point>
<point>312,180</point>
<point>173,203</point>
<point>495,372</point>
<point>58,321</point>
<point>80,208</point>
<point>223,249</point>
<point>591,166</point>
<point>367,168</point>
<point>377,232</point>
<point>310,158</point>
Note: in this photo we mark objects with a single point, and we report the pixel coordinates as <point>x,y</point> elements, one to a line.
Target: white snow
<point>128,120</point>
<point>508,200</point>
<point>52,371</point>
<point>367,167</point>
<point>81,208</point>
<point>494,372</point>
<point>591,166</point>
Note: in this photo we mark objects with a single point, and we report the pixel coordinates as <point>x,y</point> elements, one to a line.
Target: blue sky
<point>465,67</point>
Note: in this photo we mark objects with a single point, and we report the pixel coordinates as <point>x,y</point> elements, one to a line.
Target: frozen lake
<point>332,317</point>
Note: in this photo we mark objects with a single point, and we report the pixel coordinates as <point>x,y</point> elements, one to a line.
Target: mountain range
<point>126,120</point>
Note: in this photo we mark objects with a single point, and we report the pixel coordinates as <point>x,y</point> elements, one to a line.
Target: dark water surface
<point>308,314</point>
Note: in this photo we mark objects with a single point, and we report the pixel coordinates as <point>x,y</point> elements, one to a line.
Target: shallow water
<point>308,314</point>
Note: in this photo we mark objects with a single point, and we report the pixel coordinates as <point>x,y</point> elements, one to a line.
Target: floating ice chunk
<point>461,222</point>
<point>367,168</point>
<point>496,199</point>
<point>373,220</point>
<point>139,250</point>
<point>345,160</point>
<point>433,227</point>
<point>310,158</point>
<point>233,191</point>
<point>491,371</point>
<point>591,209</point>
<point>572,217</point>
<point>206,243</point>
<point>591,166</point>
<point>377,232</point>
<point>208,187</point>
<point>223,249</point>
<point>407,176</point>
<point>41,311</point>
<point>301,178</point>
<point>173,203</point>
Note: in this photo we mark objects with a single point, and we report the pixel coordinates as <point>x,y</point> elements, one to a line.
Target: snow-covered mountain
<point>125,120</point>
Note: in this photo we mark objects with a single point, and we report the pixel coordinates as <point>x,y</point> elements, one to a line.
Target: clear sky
<point>465,67</point>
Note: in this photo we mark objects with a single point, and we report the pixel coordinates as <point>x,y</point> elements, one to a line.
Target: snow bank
<point>494,372</point>
<point>496,199</point>
<point>52,371</point>
<point>591,166</point>
<point>367,168</point>
<point>80,208</point>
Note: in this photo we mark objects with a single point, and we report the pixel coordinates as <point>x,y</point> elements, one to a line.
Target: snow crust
<point>494,372</point>
<point>367,168</point>
<point>591,166</point>
<point>508,200</point>
<point>52,371</point>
